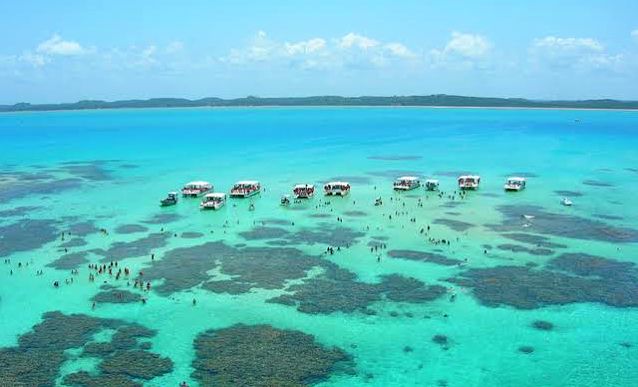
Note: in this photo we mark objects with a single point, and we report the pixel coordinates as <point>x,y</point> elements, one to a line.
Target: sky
<point>64,51</point>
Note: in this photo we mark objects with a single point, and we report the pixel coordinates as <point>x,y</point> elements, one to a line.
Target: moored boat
<point>303,191</point>
<point>515,183</point>
<point>469,181</point>
<point>245,189</point>
<point>336,188</point>
<point>406,183</point>
<point>213,201</point>
<point>431,184</point>
<point>170,199</point>
<point>196,188</point>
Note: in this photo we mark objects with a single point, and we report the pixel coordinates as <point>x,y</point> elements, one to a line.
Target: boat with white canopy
<point>407,183</point>
<point>213,201</point>
<point>196,188</point>
<point>303,191</point>
<point>469,181</point>
<point>245,189</point>
<point>336,188</point>
<point>515,183</point>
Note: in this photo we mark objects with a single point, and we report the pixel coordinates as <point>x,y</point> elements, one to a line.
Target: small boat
<point>170,199</point>
<point>285,200</point>
<point>303,191</point>
<point>336,188</point>
<point>196,188</point>
<point>432,185</point>
<point>245,189</point>
<point>213,201</point>
<point>469,181</point>
<point>406,183</point>
<point>566,202</point>
<point>515,183</point>
<point>378,201</point>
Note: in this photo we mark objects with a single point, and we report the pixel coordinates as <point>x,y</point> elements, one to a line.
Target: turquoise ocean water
<point>108,169</point>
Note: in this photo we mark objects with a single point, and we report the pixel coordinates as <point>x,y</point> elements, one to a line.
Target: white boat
<point>566,202</point>
<point>303,191</point>
<point>515,183</point>
<point>196,188</point>
<point>432,185</point>
<point>170,199</point>
<point>245,189</point>
<point>406,183</point>
<point>336,188</point>
<point>469,181</point>
<point>213,201</point>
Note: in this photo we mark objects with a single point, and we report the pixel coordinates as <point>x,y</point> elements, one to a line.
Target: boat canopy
<point>197,184</point>
<point>215,195</point>
<point>515,179</point>
<point>172,193</point>
<point>338,183</point>
<point>247,182</point>
<point>408,178</point>
<point>432,181</point>
<point>469,177</point>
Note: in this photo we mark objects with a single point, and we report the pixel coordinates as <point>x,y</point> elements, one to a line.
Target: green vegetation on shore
<point>429,100</point>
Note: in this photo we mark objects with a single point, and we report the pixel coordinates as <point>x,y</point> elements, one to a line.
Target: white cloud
<point>634,34</point>
<point>359,41</point>
<point>399,50</point>
<point>568,44</point>
<point>174,47</point>
<point>305,47</point>
<point>560,53</point>
<point>467,45</point>
<point>58,46</point>
<point>35,60</point>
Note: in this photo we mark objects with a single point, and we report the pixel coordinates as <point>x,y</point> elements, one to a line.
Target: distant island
<point>439,100</point>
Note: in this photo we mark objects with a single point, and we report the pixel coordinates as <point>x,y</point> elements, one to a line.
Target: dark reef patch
<point>162,218</point>
<point>562,225</point>
<point>93,171</point>
<point>535,240</point>
<point>395,157</point>
<point>40,353</point>
<point>136,248</point>
<point>69,261</point>
<point>130,229</point>
<point>26,235</point>
<point>522,249</point>
<point>451,204</point>
<point>261,267</point>
<point>441,340</point>
<point>275,221</point>
<point>337,290</point>
<point>573,194</point>
<point>526,349</point>
<point>117,297</point>
<point>320,216</point>
<point>263,232</point>
<point>74,242</point>
<point>597,183</point>
<point>23,188</point>
<point>262,356</point>
<point>542,325</point>
<point>608,217</point>
<point>455,225</point>
<point>424,256</point>
<point>323,233</point>
<point>355,213</point>
<point>82,228</point>
<point>19,211</point>
<point>191,235</point>
<point>569,278</point>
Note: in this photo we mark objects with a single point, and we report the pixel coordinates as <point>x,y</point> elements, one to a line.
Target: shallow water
<point>89,170</point>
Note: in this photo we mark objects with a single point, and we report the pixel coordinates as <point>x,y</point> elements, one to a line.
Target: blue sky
<point>70,50</point>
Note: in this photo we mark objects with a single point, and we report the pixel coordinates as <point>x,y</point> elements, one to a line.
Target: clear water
<point>282,147</point>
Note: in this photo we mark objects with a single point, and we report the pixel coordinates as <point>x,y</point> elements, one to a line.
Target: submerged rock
<point>260,355</point>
